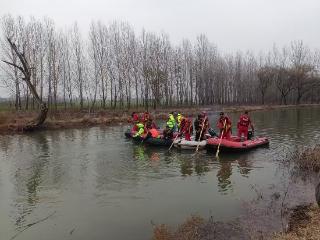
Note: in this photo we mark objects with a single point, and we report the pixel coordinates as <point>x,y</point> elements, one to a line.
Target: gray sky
<point>231,24</point>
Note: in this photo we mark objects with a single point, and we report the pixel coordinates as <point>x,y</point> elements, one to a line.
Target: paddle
<point>224,125</point>
<point>204,120</point>
<point>173,142</point>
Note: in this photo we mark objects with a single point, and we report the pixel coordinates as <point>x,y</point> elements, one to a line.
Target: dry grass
<point>307,227</point>
<point>189,230</point>
<point>309,159</point>
<point>4,118</point>
<point>12,121</point>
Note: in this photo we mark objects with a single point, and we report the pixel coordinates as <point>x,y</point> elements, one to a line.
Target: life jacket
<point>140,131</point>
<point>179,119</point>
<point>154,133</point>
<point>171,122</point>
<point>244,120</point>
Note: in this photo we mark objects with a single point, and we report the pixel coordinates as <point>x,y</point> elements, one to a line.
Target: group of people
<point>224,124</point>
<point>179,125</point>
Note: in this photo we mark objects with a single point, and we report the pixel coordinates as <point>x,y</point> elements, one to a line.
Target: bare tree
<point>24,67</point>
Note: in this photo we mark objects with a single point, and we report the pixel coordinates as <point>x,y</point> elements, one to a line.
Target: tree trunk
<point>25,69</point>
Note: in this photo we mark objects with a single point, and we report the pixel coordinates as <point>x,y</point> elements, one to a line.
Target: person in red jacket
<point>243,125</point>
<point>134,121</point>
<point>186,128</point>
<point>224,124</point>
<point>145,117</point>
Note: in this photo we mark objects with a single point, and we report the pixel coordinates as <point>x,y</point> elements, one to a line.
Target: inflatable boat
<point>158,141</point>
<point>184,144</point>
<point>128,133</point>
<point>235,144</point>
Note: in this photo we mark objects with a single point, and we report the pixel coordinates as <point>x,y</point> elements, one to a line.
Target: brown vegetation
<point>190,229</point>
<point>305,224</point>
<point>13,121</point>
<point>309,159</point>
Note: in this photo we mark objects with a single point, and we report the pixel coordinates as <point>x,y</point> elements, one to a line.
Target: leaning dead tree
<point>26,71</point>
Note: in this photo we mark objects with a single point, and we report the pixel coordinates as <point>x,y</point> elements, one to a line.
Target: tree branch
<point>14,65</point>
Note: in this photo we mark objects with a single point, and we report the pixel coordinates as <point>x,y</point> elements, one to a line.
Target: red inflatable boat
<point>234,144</point>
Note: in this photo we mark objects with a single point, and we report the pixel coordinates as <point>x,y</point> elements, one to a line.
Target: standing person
<point>171,122</point>
<point>243,125</point>
<point>145,117</point>
<point>186,128</point>
<point>205,123</point>
<point>197,126</point>
<point>179,119</point>
<point>135,121</point>
<point>134,117</point>
<point>224,124</point>
<point>170,127</point>
<point>201,125</point>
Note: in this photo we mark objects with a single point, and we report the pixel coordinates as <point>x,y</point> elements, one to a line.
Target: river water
<point>95,184</point>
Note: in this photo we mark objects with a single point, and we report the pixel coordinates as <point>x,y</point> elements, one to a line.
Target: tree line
<point>113,67</point>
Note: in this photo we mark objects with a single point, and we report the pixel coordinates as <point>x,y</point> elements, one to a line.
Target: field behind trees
<point>112,66</point>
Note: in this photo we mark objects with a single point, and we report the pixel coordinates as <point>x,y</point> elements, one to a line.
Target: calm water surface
<point>98,185</point>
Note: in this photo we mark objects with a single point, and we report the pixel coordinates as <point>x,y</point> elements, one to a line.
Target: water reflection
<point>29,175</point>
<point>223,175</point>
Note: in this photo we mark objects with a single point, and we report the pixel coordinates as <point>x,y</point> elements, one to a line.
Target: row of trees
<point>114,67</point>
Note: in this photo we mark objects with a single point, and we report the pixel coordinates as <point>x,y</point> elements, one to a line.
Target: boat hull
<point>235,145</point>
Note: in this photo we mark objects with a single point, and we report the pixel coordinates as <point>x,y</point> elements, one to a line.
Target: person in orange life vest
<point>186,128</point>
<point>224,124</point>
<point>152,131</point>
<point>243,125</point>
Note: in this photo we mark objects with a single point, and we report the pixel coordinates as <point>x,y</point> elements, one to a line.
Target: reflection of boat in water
<point>235,145</point>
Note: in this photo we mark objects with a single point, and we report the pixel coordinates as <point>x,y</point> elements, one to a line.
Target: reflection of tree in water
<point>30,176</point>
<point>245,166</point>
<point>5,143</point>
<point>199,166</point>
<point>224,173</point>
<point>186,167</point>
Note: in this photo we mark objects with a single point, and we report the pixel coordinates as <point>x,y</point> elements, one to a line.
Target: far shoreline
<point>11,122</point>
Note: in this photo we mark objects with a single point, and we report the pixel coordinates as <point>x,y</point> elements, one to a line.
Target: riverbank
<point>268,217</point>
<point>12,121</point>
<point>305,224</point>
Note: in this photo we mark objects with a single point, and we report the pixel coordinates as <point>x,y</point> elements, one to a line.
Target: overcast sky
<point>231,24</point>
